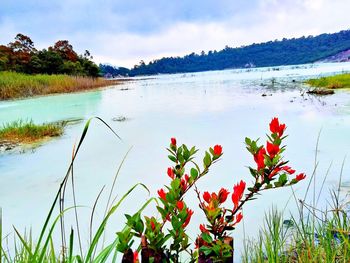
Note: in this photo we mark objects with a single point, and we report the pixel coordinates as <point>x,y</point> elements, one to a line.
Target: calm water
<point>202,109</point>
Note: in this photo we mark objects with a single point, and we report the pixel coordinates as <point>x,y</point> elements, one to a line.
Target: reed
<point>17,85</point>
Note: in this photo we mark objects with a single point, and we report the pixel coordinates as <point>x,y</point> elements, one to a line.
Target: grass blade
<point>102,226</point>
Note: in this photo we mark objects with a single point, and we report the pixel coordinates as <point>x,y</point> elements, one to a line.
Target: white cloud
<point>265,20</point>
<point>271,20</point>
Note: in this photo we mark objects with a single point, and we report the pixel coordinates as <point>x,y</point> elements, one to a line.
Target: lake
<point>202,109</point>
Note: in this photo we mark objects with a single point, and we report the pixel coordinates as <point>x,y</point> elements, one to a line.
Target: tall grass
<point>331,82</point>
<point>27,132</point>
<point>313,235</point>
<point>17,85</point>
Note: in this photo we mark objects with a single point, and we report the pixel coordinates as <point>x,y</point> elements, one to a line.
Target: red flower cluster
<point>188,218</point>
<point>162,194</point>
<point>300,177</point>
<point>170,173</point>
<point>180,205</point>
<point>203,229</point>
<point>136,257</point>
<point>238,218</point>
<point>217,150</point>
<point>259,158</point>
<point>276,127</point>
<point>213,197</point>
<point>173,141</point>
<point>272,149</point>
<point>237,194</point>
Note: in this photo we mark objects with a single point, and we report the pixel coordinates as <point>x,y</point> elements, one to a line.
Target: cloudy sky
<point>124,32</point>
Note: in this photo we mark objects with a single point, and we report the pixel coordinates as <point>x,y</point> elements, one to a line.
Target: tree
<point>5,57</point>
<point>22,50</point>
<point>52,61</point>
<point>23,44</point>
<point>65,50</point>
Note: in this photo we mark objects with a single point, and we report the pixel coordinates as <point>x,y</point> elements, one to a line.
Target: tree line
<point>22,56</point>
<point>273,53</point>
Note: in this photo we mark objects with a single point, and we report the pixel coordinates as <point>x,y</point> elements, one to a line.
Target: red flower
<point>272,149</point>
<point>183,185</point>
<point>187,178</point>
<point>206,197</point>
<point>153,226</point>
<point>188,218</point>
<point>171,173</point>
<point>274,172</point>
<point>259,158</point>
<point>217,150</point>
<point>238,218</point>
<point>180,205</point>
<point>162,194</point>
<point>136,257</point>
<point>203,229</point>
<point>288,169</point>
<point>173,141</point>
<point>276,127</point>
<point>237,194</point>
<point>300,177</point>
<point>223,193</point>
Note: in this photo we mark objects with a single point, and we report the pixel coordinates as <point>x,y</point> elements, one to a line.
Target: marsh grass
<point>17,85</point>
<point>302,240</point>
<point>313,235</point>
<point>28,132</point>
<point>332,82</point>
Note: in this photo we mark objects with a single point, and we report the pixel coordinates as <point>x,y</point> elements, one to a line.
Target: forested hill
<point>273,53</point>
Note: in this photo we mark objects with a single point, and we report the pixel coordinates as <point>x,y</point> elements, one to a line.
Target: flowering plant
<point>214,243</point>
<point>271,172</point>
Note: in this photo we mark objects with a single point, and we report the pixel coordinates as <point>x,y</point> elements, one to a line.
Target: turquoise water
<point>202,109</point>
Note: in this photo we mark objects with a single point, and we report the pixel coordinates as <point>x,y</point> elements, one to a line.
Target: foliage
<point>271,172</point>
<point>331,82</point>
<point>214,241</point>
<point>273,53</point>
<point>22,56</point>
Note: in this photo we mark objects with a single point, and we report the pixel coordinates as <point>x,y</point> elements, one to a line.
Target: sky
<point>122,33</point>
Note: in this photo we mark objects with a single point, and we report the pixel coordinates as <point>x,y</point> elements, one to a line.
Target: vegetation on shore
<point>18,85</point>
<point>28,132</point>
<point>332,82</point>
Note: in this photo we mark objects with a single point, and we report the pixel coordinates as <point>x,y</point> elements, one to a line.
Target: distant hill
<point>273,53</point>
<point>343,56</point>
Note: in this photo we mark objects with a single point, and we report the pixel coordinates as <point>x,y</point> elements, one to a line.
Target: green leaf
<point>207,238</point>
<point>180,158</point>
<point>207,159</point>
<point>194,173</point>
<point>172,158</point>
<point>186,153</point>
<point>206,250</point>
<point>283,179</point>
